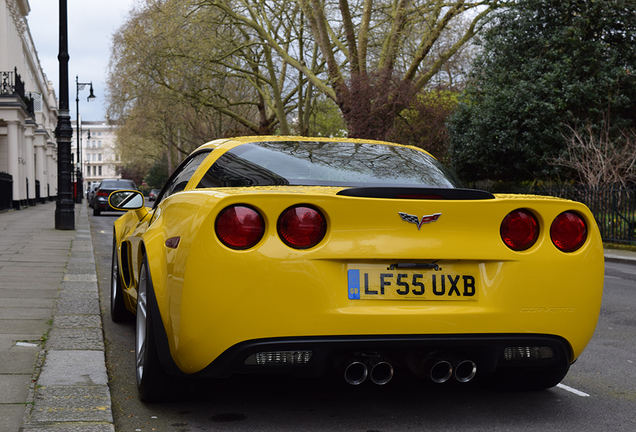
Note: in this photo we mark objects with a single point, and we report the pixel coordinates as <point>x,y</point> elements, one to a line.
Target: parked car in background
<point>90,193</point>
<point>153,194</point>
<point>106,187</point>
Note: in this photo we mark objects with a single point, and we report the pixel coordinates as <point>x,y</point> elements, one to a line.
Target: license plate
<point>389,283</point>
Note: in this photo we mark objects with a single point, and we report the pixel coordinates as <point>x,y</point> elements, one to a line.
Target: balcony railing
<point>11,84</point>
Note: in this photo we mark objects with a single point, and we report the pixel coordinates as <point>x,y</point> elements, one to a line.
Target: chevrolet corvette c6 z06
<point>308,256</point>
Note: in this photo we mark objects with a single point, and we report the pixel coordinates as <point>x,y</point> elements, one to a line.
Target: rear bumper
<point>402,351</point>
<point>101,204</point>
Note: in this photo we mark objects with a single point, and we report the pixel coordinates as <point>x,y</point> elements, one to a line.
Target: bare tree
<point>359,37</point>
<point>598,159</point>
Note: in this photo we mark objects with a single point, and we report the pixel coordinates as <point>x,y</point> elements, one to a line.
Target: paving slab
<point>8,341</point>
<point>19,359</point>
<point>72,404</point>
<point>76,339</point>
<point>24,326</point>
<point>72,368</point>
<point>16,313</point>
<point>27,301</point>
<point>14,388</point>
<point>39,293</point>
<point>10,415</point>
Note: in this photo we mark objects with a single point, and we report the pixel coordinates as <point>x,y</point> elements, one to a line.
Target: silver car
<point>90,193</point>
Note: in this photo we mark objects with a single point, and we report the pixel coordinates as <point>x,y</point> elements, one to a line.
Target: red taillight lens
<point>239,227</point>
<point>520,230</point>
<point>102,193</point>
<point>302,227</point>
<point>568,231</point>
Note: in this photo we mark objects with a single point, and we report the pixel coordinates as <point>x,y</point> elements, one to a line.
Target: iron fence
<point>614,208</point>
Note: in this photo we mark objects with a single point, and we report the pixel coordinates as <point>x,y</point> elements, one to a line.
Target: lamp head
<point>91,96</point>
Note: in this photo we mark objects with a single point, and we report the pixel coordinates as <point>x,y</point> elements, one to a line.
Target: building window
<point>100,170</point>
<point>99,157</point>
<point>94,171</point>
<point>99,144</point>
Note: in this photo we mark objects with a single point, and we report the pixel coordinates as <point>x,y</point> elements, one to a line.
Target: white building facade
<point>98,156</point>
<point>28,115</point>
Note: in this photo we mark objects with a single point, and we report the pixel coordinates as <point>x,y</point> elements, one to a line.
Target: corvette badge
<point>419,222</point>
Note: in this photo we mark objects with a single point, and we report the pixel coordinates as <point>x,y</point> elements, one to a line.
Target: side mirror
<point>126,200</point>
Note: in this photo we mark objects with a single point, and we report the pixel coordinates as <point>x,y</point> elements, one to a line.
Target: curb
<point>609,257</point>
<point>69,389</point>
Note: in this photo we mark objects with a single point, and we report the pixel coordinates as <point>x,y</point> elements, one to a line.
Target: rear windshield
<point>118,184</point>
<point>326,164</point>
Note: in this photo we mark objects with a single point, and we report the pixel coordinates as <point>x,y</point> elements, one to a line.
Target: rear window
<point>326,164</point>
<point>118,184</point>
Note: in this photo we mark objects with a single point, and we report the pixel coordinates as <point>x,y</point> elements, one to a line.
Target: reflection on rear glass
<point>326,163</point>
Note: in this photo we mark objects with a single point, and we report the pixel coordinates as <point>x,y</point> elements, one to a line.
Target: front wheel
<point>153,383</point>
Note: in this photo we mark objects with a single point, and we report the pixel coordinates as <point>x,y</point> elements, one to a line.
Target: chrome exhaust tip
<point>355,373</point>
<point>465,371</point>
<point>441,372</point>
<point>381,373</point>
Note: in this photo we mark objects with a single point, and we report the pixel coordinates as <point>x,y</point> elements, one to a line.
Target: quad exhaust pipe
<point>380,372</point>
<point>438,370</point>
<point>441,370</point>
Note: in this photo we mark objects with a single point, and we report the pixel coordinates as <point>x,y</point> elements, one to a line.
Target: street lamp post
<point>64,205</point>
<point>80,182</point>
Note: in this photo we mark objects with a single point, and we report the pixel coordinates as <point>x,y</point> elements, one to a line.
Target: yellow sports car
<point>307,255</point>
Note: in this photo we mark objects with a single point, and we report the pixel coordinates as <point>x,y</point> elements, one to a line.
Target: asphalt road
<point>599,393</point>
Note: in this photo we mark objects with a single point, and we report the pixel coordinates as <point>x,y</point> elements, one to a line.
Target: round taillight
<point>520,230</point>
<point>302,227</point>
<point>568,231</point>
<point>239,227</point>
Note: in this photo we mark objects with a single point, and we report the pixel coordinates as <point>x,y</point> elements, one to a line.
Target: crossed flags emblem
<point>419,222</point>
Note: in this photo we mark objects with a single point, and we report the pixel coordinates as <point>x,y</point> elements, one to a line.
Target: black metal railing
<point>6,191</point>
<point>614,208</point>
<point>11,84</point>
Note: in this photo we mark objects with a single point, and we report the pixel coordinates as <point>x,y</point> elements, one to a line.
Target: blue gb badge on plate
<point>353,283</point>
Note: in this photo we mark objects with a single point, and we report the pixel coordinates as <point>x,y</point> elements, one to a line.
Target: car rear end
<point>341,278</point>
<point>106,187</point>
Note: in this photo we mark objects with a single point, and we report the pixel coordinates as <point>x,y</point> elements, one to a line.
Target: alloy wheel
<point>142,316</point>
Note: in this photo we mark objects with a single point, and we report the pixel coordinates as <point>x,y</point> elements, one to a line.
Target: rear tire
<point>118,311</point>
<point>153,383</point>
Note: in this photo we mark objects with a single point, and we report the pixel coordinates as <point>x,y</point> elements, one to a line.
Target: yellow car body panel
<point>540,290</point>
<point>212,298</point>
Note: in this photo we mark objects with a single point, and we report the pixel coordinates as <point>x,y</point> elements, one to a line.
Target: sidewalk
<point>48,292</point>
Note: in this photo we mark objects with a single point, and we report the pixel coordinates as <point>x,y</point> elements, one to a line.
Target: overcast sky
<point>91,24</point>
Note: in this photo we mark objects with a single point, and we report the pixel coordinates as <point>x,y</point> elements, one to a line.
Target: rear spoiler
<point>417,193</point>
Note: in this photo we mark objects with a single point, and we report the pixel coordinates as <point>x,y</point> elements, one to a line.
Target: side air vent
<point>416,193</point>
